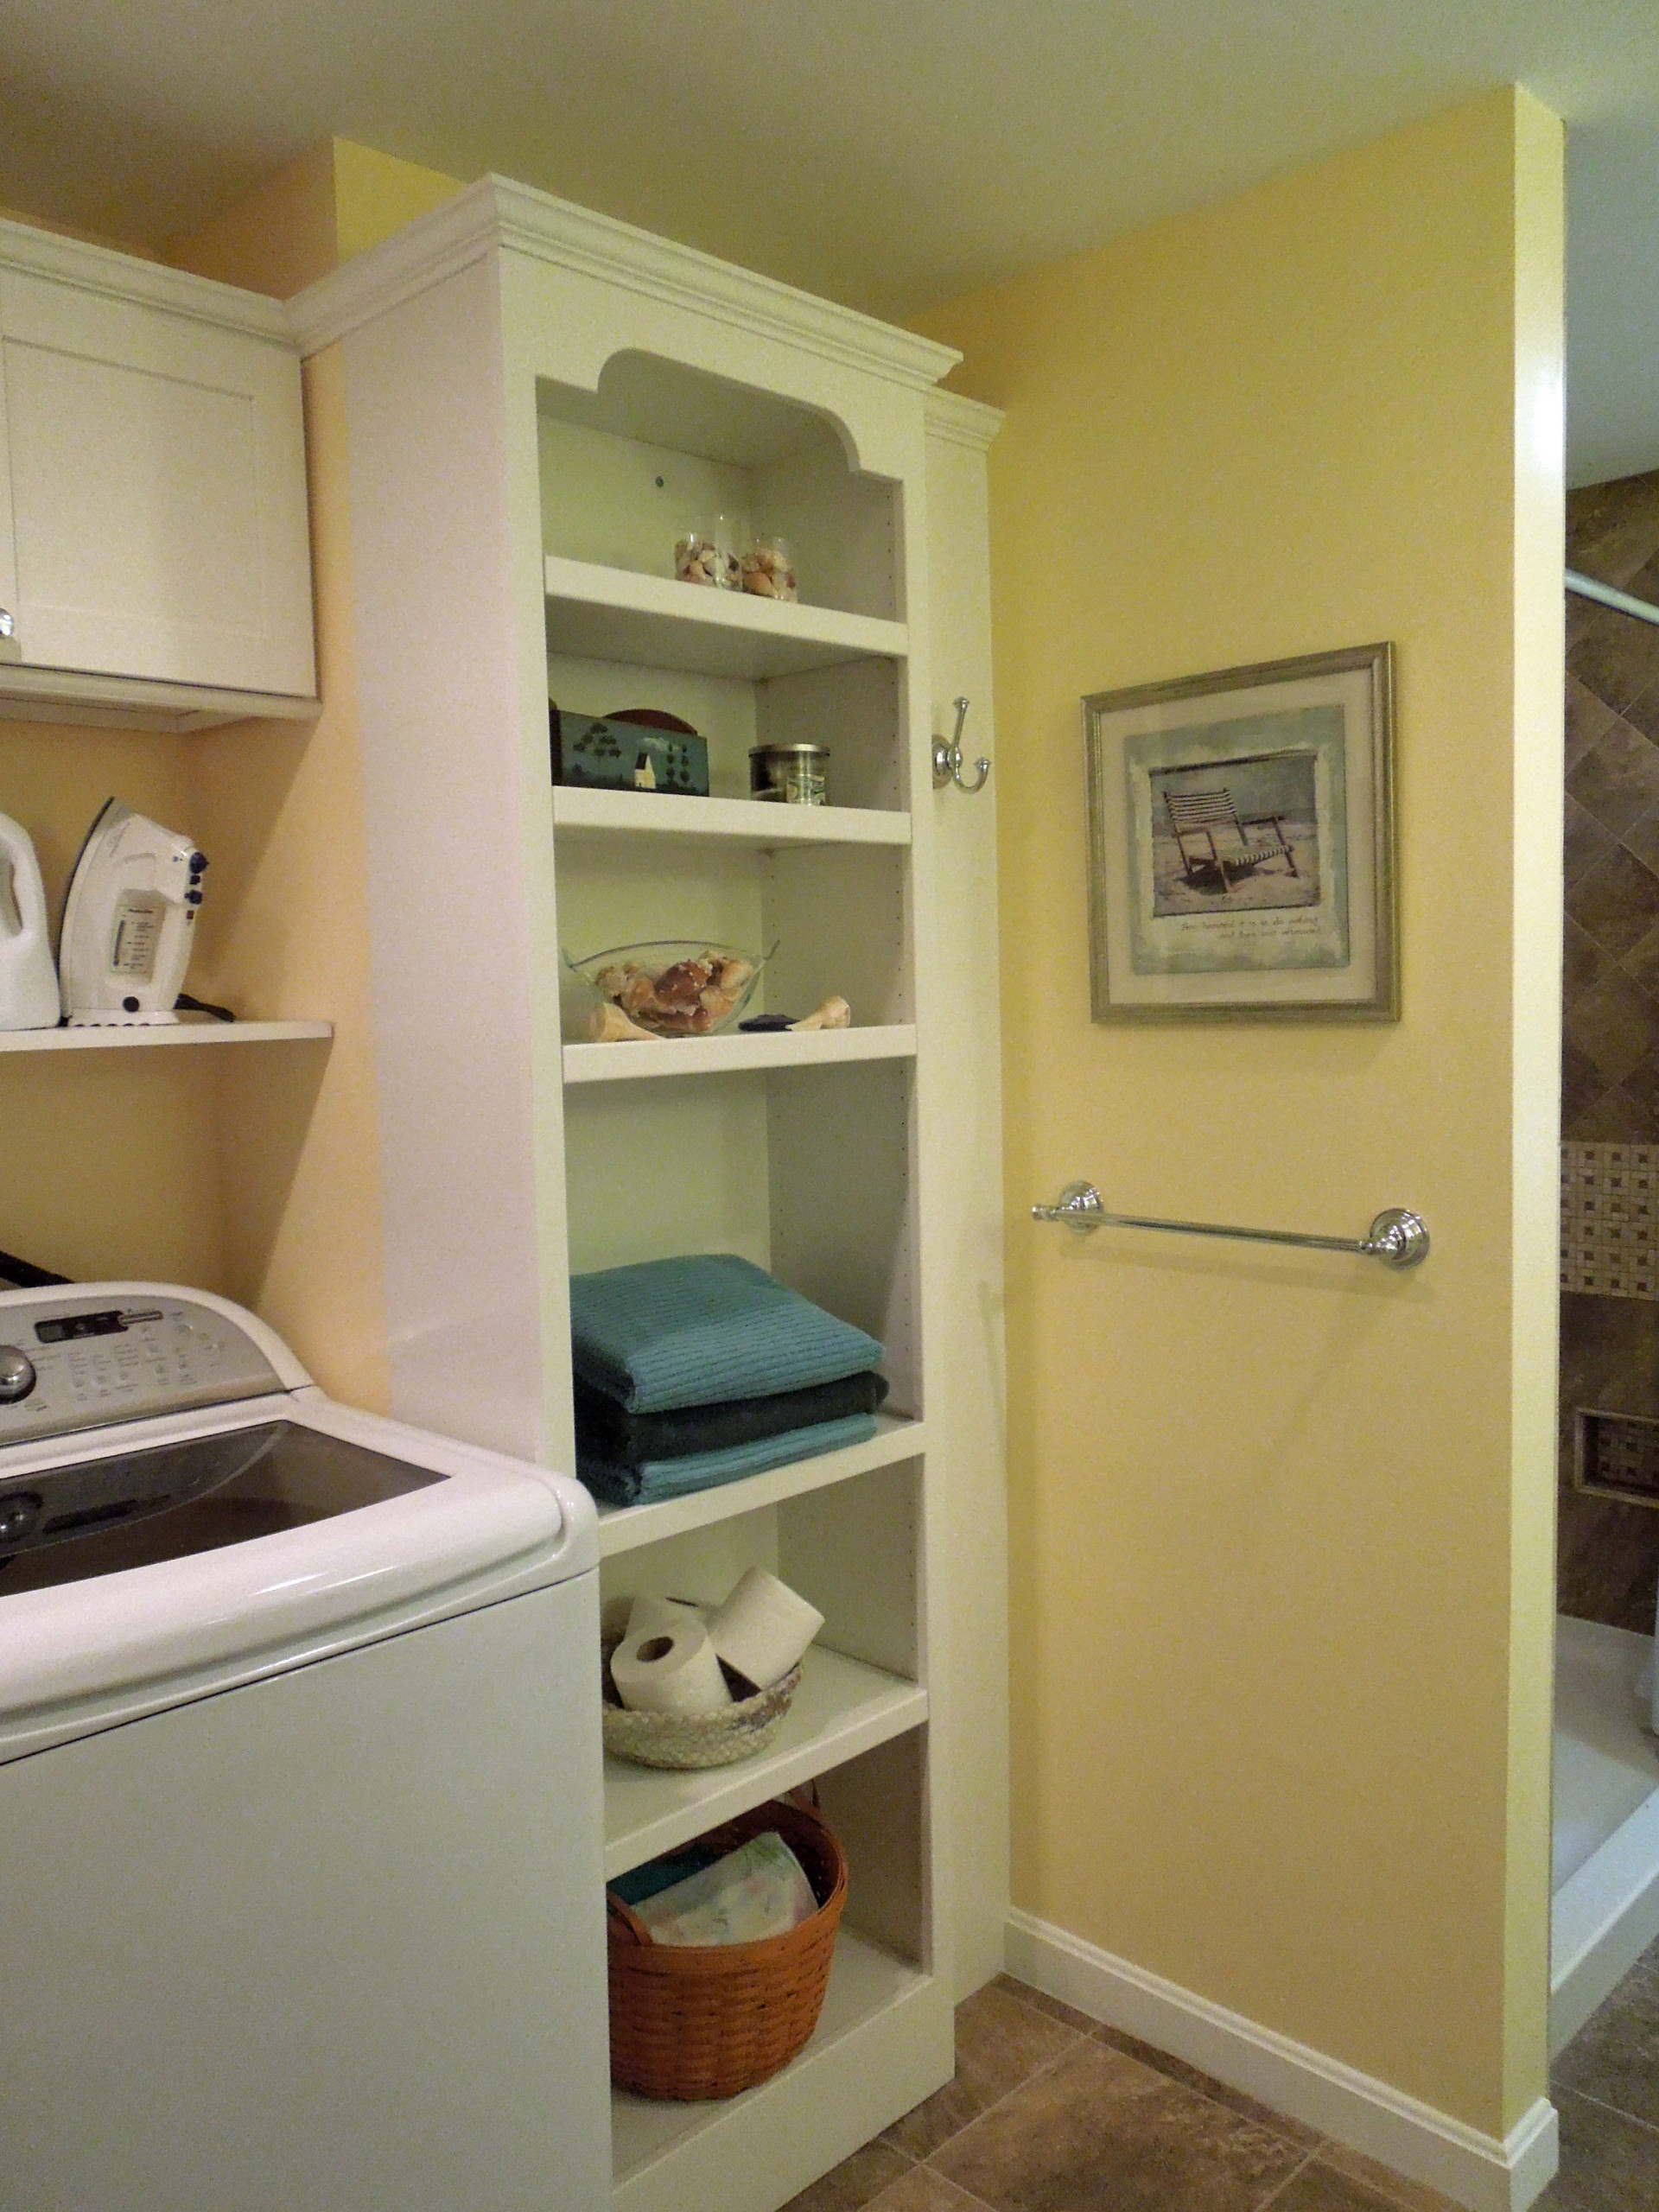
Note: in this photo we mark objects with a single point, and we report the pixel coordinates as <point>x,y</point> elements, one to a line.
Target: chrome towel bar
<point>1397,1237</point>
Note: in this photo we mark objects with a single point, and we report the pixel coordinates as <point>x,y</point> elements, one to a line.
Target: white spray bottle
<point>29,981</point>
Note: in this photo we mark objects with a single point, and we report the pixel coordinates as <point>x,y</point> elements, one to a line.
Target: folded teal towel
<point>660,1479</point>
<point>668,1333</point>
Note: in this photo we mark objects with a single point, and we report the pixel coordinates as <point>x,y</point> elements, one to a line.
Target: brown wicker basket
<point>689,2023</point>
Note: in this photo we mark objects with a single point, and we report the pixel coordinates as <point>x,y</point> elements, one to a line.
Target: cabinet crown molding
<point>496,214</point>
<point>116,276</point>
<point>963,421</point>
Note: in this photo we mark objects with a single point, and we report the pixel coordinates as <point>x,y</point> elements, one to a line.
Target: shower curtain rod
<point>1587,587</point>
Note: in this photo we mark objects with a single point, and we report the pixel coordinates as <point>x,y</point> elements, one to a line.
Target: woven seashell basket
<point>688,1740</point>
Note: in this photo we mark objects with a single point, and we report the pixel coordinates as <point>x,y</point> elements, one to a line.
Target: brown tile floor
<point>1050,2112</point>
<point>1607,2089</point>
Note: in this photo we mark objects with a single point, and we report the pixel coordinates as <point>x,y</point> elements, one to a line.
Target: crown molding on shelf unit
<point>116,276</point>
<point>962,421</point>
<point>496,213</point>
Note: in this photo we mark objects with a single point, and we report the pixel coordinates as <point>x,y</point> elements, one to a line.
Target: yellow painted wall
<point>280,809</point>
<point>376,194</point>
<point>1281,1524</point>
<point>299,1135</point>
<point>336,201</point>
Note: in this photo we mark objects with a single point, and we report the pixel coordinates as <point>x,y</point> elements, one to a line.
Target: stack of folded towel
<point>694,1372</point>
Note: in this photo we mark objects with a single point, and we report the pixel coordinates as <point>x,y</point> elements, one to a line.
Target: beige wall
<point>108,1166</point>
<point>1281,1524</point>
<point>283,237</point>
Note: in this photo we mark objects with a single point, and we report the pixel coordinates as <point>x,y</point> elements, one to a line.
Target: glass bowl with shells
<point>668,987</point>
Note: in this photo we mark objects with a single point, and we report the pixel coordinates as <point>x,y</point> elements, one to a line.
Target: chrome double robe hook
<point>947,759</point>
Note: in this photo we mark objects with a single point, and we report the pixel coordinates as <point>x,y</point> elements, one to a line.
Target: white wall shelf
<point>624,1527</point>
<point>667,2157</point>
<point>755,822</point>
<point>598,613</point>
<point>183,1032</point>
<point>739,1054</point>
<point>842,1707</point>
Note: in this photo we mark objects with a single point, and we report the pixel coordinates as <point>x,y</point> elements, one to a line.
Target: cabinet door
<point>154,468</point>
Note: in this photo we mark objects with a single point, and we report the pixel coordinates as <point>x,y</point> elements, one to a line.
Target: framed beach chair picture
<point>1241,844</point>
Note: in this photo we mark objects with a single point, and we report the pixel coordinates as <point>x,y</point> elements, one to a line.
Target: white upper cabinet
<point>154,547</point>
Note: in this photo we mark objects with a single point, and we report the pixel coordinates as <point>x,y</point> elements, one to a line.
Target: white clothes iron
<point>29,981</point>
<point>127,922</point>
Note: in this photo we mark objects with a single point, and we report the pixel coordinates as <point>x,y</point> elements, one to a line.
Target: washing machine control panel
<point>83,1363</point>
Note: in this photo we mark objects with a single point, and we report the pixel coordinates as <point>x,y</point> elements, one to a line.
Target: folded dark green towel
<point>699,1330</point>
<point>607,1430</point>
<point>659,1478</point>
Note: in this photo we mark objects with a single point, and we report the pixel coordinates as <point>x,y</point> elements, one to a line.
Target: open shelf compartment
<point>660,447</point>
<point>842,1707</point>
<point>617,614</point>
<point>882,2044</point>
<point>626,1528</point>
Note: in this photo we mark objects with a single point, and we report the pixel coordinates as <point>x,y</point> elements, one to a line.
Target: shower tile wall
<point>1609,1557</point>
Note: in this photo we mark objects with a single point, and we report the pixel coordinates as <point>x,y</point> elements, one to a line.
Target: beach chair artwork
<point>1214,839</point>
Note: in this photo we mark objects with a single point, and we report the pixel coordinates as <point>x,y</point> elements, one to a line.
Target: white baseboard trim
<point>1478,2171</point>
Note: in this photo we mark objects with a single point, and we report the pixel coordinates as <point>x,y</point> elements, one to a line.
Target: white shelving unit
<point>842,1707</point>
<point>575,393</point>
<point>626,1527</point>
<point>756,822</point>
<point>737,1054</point>
<point>183,1032</point>
<point>649,621</point>
<point>776,2136</point>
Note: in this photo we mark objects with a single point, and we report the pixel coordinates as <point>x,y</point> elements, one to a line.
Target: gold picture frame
<point>1240,844</point>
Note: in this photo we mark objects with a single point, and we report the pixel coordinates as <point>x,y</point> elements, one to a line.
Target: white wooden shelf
<point>598,613</point>
<point>182,1032</point>
<point>624,1527</point>
<point>757,823</point>
<point>666,2156</point>
<point>636,1058</point>
<point>842,1707</point>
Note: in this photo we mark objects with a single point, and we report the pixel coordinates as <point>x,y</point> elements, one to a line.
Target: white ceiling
<point>887,153</point>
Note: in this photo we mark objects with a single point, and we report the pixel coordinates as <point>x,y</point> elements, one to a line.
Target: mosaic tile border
<point>1609,1219</point>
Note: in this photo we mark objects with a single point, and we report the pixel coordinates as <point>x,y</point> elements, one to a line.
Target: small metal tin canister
<point>793,774</point>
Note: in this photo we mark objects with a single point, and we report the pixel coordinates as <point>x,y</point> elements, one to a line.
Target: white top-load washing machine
<point>300,1889</point>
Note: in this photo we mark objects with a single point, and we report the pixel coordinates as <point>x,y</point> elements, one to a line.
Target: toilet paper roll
<point>661,1614</point>
<point>670,1668</point>
<point>763,1627</point>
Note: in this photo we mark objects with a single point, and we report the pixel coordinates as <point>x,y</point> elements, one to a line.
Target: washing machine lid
<point>158,1500</point>
<point>146,1560</point>
<point>245,1542</point>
